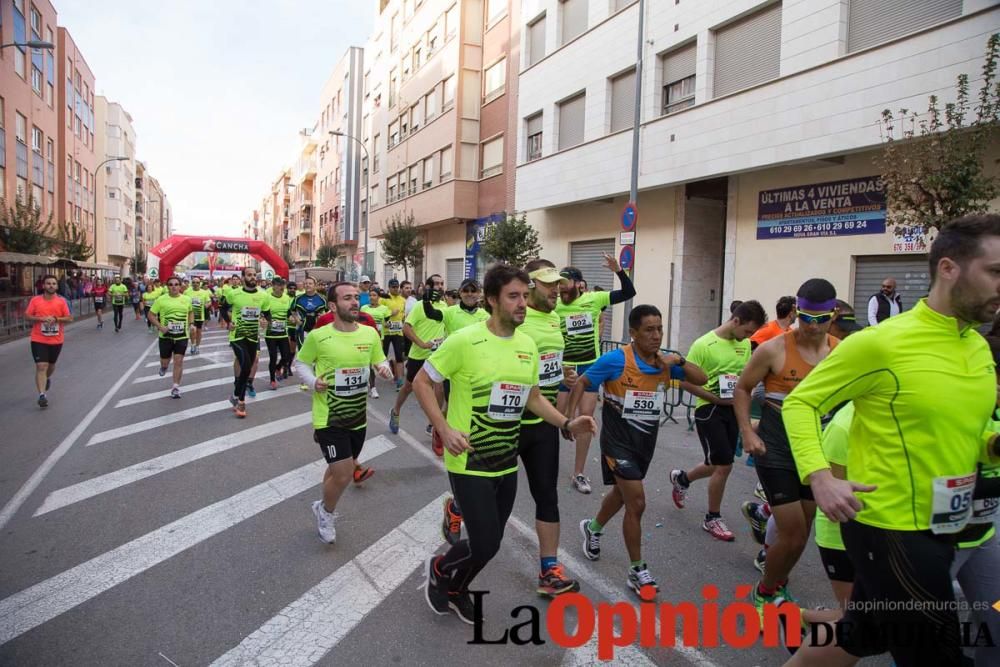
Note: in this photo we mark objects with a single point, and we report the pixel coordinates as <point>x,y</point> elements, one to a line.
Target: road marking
<point>187,371</point>
<point>207,408</point>
<point>46,600</point>
<point>185,388</point>
<point>36,477</point>
<point>154,364</point>
<point>205,347</point>
<point>307,629</point>
<point>119,478</point>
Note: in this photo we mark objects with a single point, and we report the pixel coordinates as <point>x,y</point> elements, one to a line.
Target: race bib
<point>642,405</point>
<point>248,313</point>
<point>436,343</point>
<point>175,328</point>
<point>350,381</point>
<point>727,385</point>
<point>50,329</point>
<point>550,370</point>
<point>195,302</point>
<point>579,324</point>
<point>985,510</point>
<point>395,327</point>
<point>278,326</point>
<point>951,504</point>
<point>507,401</point>
<point>378,326</point>
<point>99,300</point>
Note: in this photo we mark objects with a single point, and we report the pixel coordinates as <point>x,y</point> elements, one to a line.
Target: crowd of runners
<point>883,438</point>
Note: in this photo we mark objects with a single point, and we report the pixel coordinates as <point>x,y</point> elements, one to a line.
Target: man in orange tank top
<point>781,363</point>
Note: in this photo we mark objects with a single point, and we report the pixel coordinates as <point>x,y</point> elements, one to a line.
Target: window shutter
<point>574,19</point>
<point>623,101</point>
<point>571,121</point>
<point>536,41</point>
<point>679,64</point>
<point>534,124</point>
<point>748,51</point>
<point>492,154</point>
<point>874,22</point>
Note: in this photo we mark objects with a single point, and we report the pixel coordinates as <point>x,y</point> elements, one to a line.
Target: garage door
<point>588,256</point>
<point>454,273</point>
<point>910,271</point>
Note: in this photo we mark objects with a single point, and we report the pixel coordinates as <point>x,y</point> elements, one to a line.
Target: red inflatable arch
<point>164,257</point>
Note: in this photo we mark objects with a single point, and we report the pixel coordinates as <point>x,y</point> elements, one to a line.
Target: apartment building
<point>301,207</point>
<point>759,123</point>
<point>155,214</point>
<point>115,137</point>
<point>29,97</point>
<point>440,102</point>
<point>76,182</point>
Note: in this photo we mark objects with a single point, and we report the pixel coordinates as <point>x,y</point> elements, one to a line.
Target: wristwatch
<point>565,426</point>
<point>683,361</point>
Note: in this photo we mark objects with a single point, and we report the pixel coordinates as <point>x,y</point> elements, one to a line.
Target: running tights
<point>246,352</point>
<point>119,311</point>
<point>274,346</point>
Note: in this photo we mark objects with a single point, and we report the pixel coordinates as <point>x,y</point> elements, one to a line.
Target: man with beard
<point>924,390</point>
<point>335,361</point>
<point>580,315</point>
<point>49,313</point>
<point>249,308</point>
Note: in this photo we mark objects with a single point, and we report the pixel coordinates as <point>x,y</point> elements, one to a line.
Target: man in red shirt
<point>49,312</point>
<point>100,294</point>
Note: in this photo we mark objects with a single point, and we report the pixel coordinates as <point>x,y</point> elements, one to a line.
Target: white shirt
<point>411,301</point>
<point>873,309</point>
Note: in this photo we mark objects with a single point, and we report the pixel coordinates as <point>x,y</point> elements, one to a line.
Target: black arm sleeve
<point>431,312</point>
<point>626,292</point>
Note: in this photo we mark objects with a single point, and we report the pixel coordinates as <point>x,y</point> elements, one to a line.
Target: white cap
<point>365,279</point>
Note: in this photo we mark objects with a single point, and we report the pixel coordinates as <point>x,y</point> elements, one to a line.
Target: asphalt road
<point>140,530</point>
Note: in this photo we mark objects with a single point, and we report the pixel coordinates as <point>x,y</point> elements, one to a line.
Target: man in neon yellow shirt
<point>380,313</point>
<point>393,337</point>
<point>200,300</point>
<point>172,315</point>
<point>426,335</point>
<point>924,390</point>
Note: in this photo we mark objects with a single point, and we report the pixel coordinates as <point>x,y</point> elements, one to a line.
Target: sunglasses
<point>815,319</point>
<point>173,284</point>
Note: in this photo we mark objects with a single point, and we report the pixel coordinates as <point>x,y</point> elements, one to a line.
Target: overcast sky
<point>217,90</point>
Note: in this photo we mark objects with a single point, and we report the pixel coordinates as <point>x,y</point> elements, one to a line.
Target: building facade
<point>759,124</point>
<point>115,137</point>
<point>76,184</point>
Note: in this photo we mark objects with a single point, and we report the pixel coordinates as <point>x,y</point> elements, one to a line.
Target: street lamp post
<point>96,172</point>
<point>368,199</point>
<point>31,44</point>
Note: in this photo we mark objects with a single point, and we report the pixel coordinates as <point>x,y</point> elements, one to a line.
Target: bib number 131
<point>350,381</point>
<point>507,401</point>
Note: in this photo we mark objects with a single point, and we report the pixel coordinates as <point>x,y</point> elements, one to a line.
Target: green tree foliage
<point>932,163</point>
<point>402,242</point>
<point>23,228</point>
<point>326,255</point>
<point>511,240</point>
<point>72,242</point>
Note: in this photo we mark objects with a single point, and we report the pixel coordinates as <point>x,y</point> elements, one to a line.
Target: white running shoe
<point>373,393</point>
<point>324,523</point>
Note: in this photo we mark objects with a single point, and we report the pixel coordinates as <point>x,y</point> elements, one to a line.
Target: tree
<point>72,242</point>
<point>511,240</point>
<point>402,242</point>
<point>931,164</point>
<point>23,228</point>
<point>326,255</point>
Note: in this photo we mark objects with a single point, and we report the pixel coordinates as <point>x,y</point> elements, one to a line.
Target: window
<point>393,33</point>
<point>428,171</point>
<point>623,101</point>
<point>392,87</point>
<point>451,22</point>
<point>494,10</point>
<point>36,21</point>
<point>374,195</point>
<point>572,115</point>
<point>622,4</point>
<point>495,77</point>
<point>449,92</point>
<point>404,124</point>
<point>492,158</point>
<point>416,116</point>
<point>414,173</point>
<point>431,105</point>
<point>375,144</point>
<point>748,51</point>
<point>446,162</point>
<point>533,131</point>
<point>871,22</point>
<point>536,41</point>
<point>574,19</point>
<point>36,80</point>
<point>393,134</point>
<point>417,57</point>
<point>678,78</point>
<point>36,139</point>
<point>20,128</point>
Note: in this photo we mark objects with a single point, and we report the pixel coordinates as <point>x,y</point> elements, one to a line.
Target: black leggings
<point>539,449</point>
<point>246,353</point>
<point>119,312</point>
<point>486,505</point>
<point>275,345</point>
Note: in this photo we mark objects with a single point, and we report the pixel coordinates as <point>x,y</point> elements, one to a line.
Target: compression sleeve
<point>626,292</point>
<point>431,312</point>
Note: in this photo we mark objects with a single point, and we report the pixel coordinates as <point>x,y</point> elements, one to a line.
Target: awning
<point>23,258</point>
<point>97,267</point>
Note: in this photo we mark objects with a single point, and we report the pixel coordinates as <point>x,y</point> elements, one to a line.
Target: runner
<point>379,313</point>
<point>293,341</point>
<point>579,312</point>
<point>335,361</point>
<point>100,294</point>
<point>248,307</point>
<point>364,291</point>
<point>633,378</point>
<point>393,337</point>
<point>306,308</point>
<point>50,313</point>
<point>136,297</point>
<point>784,312</point>
<point>425,334</point>
<point>409,301</point>
<point>722,353</point>
<point>918,380</point>
<point>153,291</point>
<point>119,294</point>
<point>200,298</point>
<point>172,315</point>
<point>276,335</point>
<point>781,363</point>
<point>493,370</point>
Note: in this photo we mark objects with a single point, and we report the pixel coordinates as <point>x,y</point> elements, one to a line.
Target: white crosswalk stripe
<point>185,389</point>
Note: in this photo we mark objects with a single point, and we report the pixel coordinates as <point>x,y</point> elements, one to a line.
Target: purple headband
<point>816,306</point>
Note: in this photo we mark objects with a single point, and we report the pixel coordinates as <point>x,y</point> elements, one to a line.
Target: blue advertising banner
<point>474,229</point>
<point>838,208</point>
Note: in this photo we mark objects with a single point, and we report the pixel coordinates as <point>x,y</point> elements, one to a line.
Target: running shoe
<point>581,483</point>
<point>784,593</point>
<point>591,541</point>
<point>750,461</point>
<point>274,385</point>
<point>679,492</point>
<point>361,474</point>
<point>760,560</point>
<point>759,492</point>
<point>437,444</point>
<point>451,523</point>
<point>251,392</point>
<point>786,630</point>
<point>233,400</point>
<point>429,430</point>
<point>99,325</point>
<point>324,523</point>
<point>175,392</point>
<point>759,600</point>
<point>240,409</point>
<point>638,577</point>
<point>393,421</point>
<point>757,525</point>
<point>373,393</point>
<point>43,402</point>
<point>435,588</point>
<point>718,529</point>
<point>554,581</point>
<point>463,607</point>
<point>163,371</point>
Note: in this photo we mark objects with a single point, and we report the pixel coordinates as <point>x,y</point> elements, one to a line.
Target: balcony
<point>138,183</point>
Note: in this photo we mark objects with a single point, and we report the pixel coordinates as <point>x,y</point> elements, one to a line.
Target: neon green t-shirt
<point>924,393</point>
<point>490,381</point>
<point>278,327</point>
<point>151,295</point>
<point>722,360</point>
<point>118,294</point>
<point>247,307</point>
<point>380,314</point>
<point>200,298</point>
<point>343,360</point>
<point>580,322</point>
<point>172,311</point>
<point>543,328</point>
<point>426,329</point>
<point>835,439</point>
<point>457,318</point>
<point>395,324</point>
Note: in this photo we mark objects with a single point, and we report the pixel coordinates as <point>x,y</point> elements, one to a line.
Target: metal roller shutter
<point>454,273</point>
<point>748,51</point>
<point>588,256</point>
<point>536,41</point>
<point>574,19</point>
<point>572,114</point>
<point>679,64</point>
<point>910,271</point>
<point>623,101</point>
<point>873,22</point>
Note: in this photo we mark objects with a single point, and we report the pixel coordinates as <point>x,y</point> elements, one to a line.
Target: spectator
<point>885,304</point>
